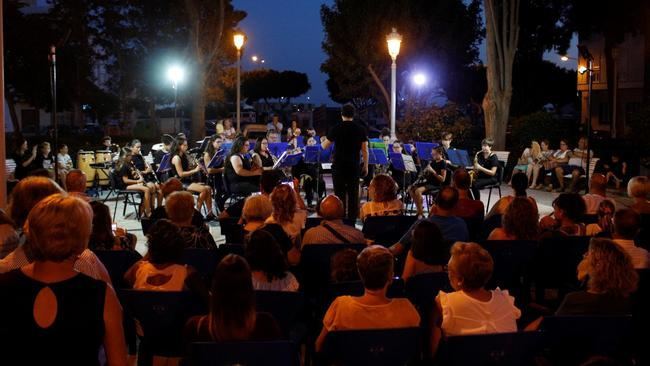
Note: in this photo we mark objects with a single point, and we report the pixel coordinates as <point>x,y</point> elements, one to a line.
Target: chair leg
<point>487,207</point>
<point>499,188</point>
<point>126,202</point>
<point>115,210</point>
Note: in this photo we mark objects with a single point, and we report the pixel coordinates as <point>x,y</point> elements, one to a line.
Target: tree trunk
<point>198,107</point>
<point>502,30</point>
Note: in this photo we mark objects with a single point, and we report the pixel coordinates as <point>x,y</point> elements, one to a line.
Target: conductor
<point>350,138</point>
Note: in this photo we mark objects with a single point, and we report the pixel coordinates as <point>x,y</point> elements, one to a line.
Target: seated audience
<point>625,228</point>
<point>170,186</point>
<point>232,315</point>
<point>467,207</point>
<point>529,157</point>
<point>568,210</point>
<point>53,306</point>
<point>428,252</point>
<point>285,212</point>
<point>268,263</point>
<point>343,266</point>
<point>471,309</point>
<point>8,234</point>
<point>540,165</point>
<point>256,210</point>
<point>162,268</point>
<point>559,159</point>
<point>332,230</point>
<point>576,165</point>
<point>383,198</point>
<point>103,237</point>
<point>610,277</point>
<point>75,182</point>
<point>597,193</point>
<point>372,310</point>
<point>519,184</point>
<point>638,189</point>
<point>519,222</point>
<point>615,170</point>
<point>605,213</point>
<point>180,208</point>
<point>25,195</point>
<point>453,228</point>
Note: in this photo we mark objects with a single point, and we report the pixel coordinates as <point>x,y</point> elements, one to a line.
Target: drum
<point>84,159</point>
<point>103,156</point>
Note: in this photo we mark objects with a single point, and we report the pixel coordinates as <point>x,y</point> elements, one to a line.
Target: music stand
<point>314,155</point>
<point>377,156</point>
<point>459,157</point>
<point>226,146</point>
<point>203,144</point>
<point>424,149</point>
<point>216,160</point>
<point>278,148</point>
<point>287,160</point>
<point>165,164</point>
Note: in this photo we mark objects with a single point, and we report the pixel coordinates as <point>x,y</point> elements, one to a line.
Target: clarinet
<point>138,173</point>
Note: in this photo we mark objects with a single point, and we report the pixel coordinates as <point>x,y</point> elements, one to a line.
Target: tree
<point>502,24</point>
<point>443,35</point>
<point>268,84</point>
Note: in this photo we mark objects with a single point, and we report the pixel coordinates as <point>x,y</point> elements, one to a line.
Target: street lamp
<point>238,39</point>
<point>254,58</point>
<point>419,79</point>
<point>394,41</point>
<point>175,74</point>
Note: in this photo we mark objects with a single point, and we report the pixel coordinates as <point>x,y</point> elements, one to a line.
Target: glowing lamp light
<point>238,38</point>
<point>419,79</point>
<point>394,41</point>
<point>254,58</point>
<point>564,58</point>
<point>582,69</point>
<point>175,74</point>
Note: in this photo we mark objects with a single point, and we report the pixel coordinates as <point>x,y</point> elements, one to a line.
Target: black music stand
<point>424,149</point>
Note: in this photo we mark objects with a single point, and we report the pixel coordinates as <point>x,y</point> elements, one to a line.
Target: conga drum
<point>103,156</point>
<point>84,159</point>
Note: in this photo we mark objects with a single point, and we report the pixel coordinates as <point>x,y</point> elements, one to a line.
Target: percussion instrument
<point>103,156</point>
<point>84,161</point>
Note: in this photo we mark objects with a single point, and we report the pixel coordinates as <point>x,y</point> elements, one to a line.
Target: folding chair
<point>232,230</point>
<point>387,230</point>
<point>225,249</point>
<point>562,255</point>
<point>146,223</point>
<point>129,196</point>
<point>117,262</point>
<point>422,290</point>
<point>271,353</point>
<point>512,263</point>
<point>315,264</point>
<point>315,221</point>
<point>203,260</point>
<point>500,170</point>
<point>286,307</point>
<point>518,348</point>
<point>372,347</point>
<point>229,194</point>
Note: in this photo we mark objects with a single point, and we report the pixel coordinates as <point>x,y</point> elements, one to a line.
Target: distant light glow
<point>419,79</point>
<point>238,38</point>
<point>175,74</point>
<point>564,58</point>
<point>263,61</point>
<point>582,69</point>
<point>254,58</point>
<point>394,41</point>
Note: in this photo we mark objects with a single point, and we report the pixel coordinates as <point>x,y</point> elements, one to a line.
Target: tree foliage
<point>268,84</point>
<point>427,124</point>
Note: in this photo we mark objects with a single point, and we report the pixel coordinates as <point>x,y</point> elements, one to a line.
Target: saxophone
<point>473,174</point>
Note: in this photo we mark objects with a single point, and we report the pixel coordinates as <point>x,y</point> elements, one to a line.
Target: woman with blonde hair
<point>610,277</point>
<point>383,198</point>
<point>285,212</point>
<point>528,158</point>
<point>256,210</point>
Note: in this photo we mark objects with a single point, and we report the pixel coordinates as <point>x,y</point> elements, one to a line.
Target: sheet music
<point>409,164</point>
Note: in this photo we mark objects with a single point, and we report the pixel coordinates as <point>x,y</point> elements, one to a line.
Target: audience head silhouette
<point>27,193</point>
<point>519,184</point>
<point>170,186</point>
<point>264,254</point>
<point>180,208</point>
<point>608,269</point>
<point>257,209</point>
<point>520,219</point>
<point>598,184</point>
<point>428,244</point>
<point>269,180</point>
<point>375,264</point>
<point>75,181</point>
<point>382,188</point>
<point>331,208</point>
<point>626,224</point>
<point>164,243</point>
<point>447,198</point>
<point>569,206</point>
<point>470,266</point>
<point>461,179</point>
<point>283,199</point>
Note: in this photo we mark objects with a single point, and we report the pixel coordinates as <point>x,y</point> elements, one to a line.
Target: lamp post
<point>55,125</point>
<point>394,41</point>
<point>175,75</point>
<point>238,39</point>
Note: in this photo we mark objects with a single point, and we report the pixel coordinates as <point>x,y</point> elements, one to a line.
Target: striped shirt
<point>640,256</point>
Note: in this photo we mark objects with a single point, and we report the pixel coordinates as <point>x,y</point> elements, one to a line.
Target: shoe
<point>539,186</point>
<point>549,188</point>
<point>559,190</point>
<point>210,217</point>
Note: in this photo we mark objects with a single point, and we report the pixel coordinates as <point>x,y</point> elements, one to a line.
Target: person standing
<point>350,138</point>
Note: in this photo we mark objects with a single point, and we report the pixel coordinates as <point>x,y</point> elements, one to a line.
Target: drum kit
<point>96,165</point>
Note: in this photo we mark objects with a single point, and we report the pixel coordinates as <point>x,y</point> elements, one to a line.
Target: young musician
<point>293,131</point>
<point>150,178</point>
<point>308,178</point>
<point>131,179</point>
<point>215,174</point>
<point>24,158</point>
<point>445,141</point>
<point>64,162</point>
<point>181,169</point>
<point>45,159</point>
<point>262,157</point>
<point>403,179</point>
<point>486,165</point>
<point>432,176</point>
<point>242,175</point>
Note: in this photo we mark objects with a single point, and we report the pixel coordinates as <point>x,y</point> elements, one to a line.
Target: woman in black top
<point>486,165</point>
<point>57,315</point>
<point>242,176</point>
<point>24,160</point>
<point>215,174</point>
<point>432,176</point>
<point>148,174</point>
<point>262,157</point>
<point>130,178</point>
<point>181,170</point>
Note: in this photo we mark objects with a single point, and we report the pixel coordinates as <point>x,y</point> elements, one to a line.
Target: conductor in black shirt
<point>350,138</point>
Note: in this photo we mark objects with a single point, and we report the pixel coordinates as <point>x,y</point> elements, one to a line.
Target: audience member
<point>615,170</point>
<point>75,182</point>
<point>8,234</point>
<point>232,315</point>
<point>428,253</point>
<point>228,133</point>
<point>268,263</point>
<point>23,158</point>
<point>519,184</point>
<point>372,310</point>
<point>170,186</point>
<point>467,207</point>
<point>343,266</point>
<point>332,230</point>
<point>471,309</point>
<point>180,208</point>
<point>162,268</point>
<point>519,222</point>
<point>453,228</point>
<point>558,159</point>
<point>638,189</point>
<point>285,212</point>
<point>44,159</point>
<point>256,210</point>
<point>539,167</point>
<point>576,165</point>
<point>603,227</point>
<point>268,181</point>
<point>597,193</point>
<point>529,157</point>
<point>275,124</point>
<point>104,236</point>
<point>610,277</point>
<point>383,198</point>
<point>626,226</point>
<point>52,305</point>
<point>64,162</point>
<point>568,210</point>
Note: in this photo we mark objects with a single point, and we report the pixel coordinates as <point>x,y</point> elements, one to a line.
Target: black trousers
<point>480,183</point>
<point>346,187</point>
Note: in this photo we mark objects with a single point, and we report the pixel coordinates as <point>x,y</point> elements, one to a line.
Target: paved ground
<point>544,200</point>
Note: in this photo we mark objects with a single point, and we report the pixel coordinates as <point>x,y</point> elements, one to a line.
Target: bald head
<point>331,208</point>
<point>75,181</point>
<point>598,184</point>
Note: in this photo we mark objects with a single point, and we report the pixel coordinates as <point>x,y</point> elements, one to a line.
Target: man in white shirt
<point>626,226</point>
<point>597,193</point>
<point>577,164</point>
<point>275,124</point>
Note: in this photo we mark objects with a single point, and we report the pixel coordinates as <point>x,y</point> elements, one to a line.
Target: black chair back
<point>162,316</point>
<point>490,224</point>
<point>271,353</point>
<point>422,290</point>
<point>571,339</point>
<point>203,260</point>
<point>147,223</point>
<point>315,264</point>
<point>117,262</point>
<point>285,307</point>
<point>514,349</point>
<point>512,263</point>
<point>226,249</point>
<point>387,230</point>
<point>373,347</point>
<point>556,262</point>
<point>232,230</point>
<point>589,219</point>
<point>474,225</point>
